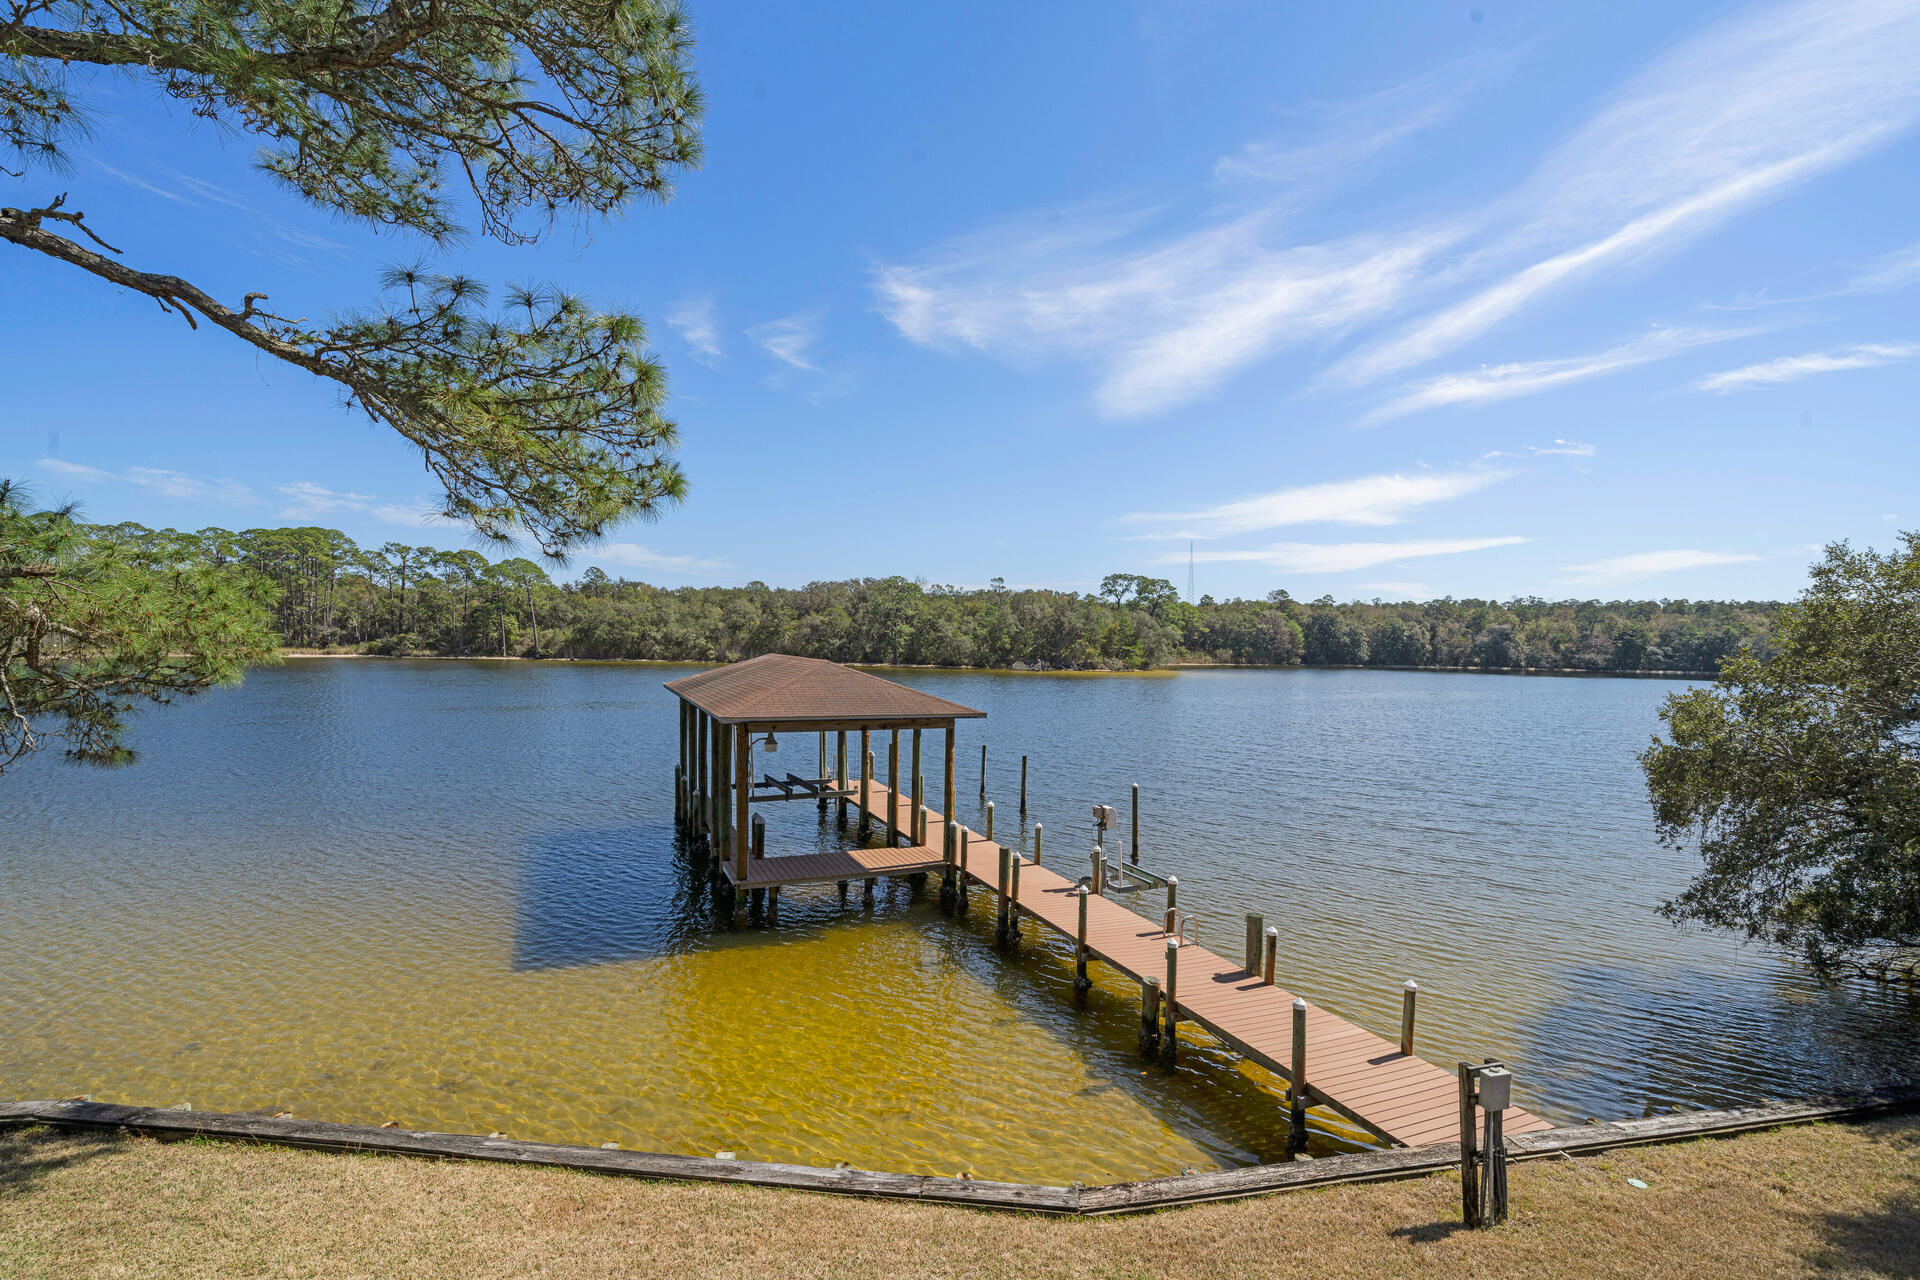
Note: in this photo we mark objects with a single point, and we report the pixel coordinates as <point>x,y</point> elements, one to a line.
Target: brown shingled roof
<point>778,688</point>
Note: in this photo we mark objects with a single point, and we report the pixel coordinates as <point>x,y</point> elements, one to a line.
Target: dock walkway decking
<point>1398,1097</point>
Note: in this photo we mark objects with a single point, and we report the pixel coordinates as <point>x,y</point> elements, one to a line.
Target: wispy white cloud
<point>1325,141</point>
<point>414,515</point>
<point>1739,113</point>
<point>1895,270</point>
<point>1366,500</point>
<point>1793,368</point>
<point>1645,564</point>
<point>632,555</point>
<point>74,470</point>
<point>697,321</point>
<point>178,484</point>
<point>1342,557</point>
<point>307,499</point>
<point>790,339</point>
<point>1558,449</point>
<point>1161,320</point>
<point>1525,378</point>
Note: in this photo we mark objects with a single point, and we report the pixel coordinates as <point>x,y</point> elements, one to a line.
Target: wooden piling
<point>1000,930</point>
<point>1023,786</point>
<point>759,836</point>
<point>1081,983</point>
<point>1099,877</point>
<point>1134,829</point>
<point>822,772</point>
<point>920,825</point>
<point>1256,929</point>
<point>983,770</point>
<point>1036,844</point>
<point>864,828</point>
<point>1149,1015</point>
<point>742,788</point>
<point>1013,896</point>
<point>1173,905</point>
<point>1297,1087</point>
<point>961,903</point>
<point>700,731</point>
<point>866,890</point>
<point>1408,993</point>
<point>679,796</point>
<point>989,822</point>
<point>1169,1003</point>
<point>1273,954</point>
<point>947,791</point>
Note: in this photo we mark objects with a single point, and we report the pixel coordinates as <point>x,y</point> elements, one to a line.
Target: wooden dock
<point>1398,1097</point>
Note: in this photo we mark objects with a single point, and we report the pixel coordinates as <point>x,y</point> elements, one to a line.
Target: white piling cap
<point>1172,881</point>
<point>1412,985</point>
<point>1299,1004</point>
<point>1083,891</point>
<point>1173,944</point>
<point>1273,931</point>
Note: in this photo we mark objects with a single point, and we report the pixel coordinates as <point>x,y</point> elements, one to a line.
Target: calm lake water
<point>449,894</point>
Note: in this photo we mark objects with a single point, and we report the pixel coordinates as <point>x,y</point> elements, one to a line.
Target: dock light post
<point>1297,1087</point>
<point>1407,995</point>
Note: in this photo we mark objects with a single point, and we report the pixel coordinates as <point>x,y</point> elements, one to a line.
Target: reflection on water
<point>450,893</point>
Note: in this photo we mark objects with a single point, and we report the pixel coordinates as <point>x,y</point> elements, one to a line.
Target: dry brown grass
<point>1836,1200</point>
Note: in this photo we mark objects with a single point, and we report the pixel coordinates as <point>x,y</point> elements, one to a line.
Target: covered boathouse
<point>727,711</point>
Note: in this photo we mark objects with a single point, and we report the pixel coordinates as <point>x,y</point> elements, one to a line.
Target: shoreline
<point>1172,668</point>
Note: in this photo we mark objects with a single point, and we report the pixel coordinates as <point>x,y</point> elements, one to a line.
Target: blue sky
<point>1396,301</point>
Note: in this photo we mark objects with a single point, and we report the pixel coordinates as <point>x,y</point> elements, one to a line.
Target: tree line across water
<point>329,593</point>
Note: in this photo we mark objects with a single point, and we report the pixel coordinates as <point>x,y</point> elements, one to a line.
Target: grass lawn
<point>1832,1199</point>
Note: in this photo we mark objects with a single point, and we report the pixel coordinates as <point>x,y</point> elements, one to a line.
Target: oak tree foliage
<point>543,415</point>
<point>1796,776</point>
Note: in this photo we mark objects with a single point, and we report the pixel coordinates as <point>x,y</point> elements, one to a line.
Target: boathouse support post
<point>1169,1004</point>
<point>866,890</point>
<point>919,791</point>
<point>1409,991</point>
<point>1149,1015</point>
<point>1297,1086</point>
<point>893,789</point>
<point>1273,954</point>
<point>840,777</point>
<point>822,772</point>
<point>1036,844</point>
<point>865,826</point>
<point>703,811</point>
<point>743,786</point>
<point>1000,930</point>
<point>1256,929</point>
<point>759,836</point>
<point>680,797</point>
<point>1133,829</point>
<point>1081,983</point>
<point>947,793</point>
